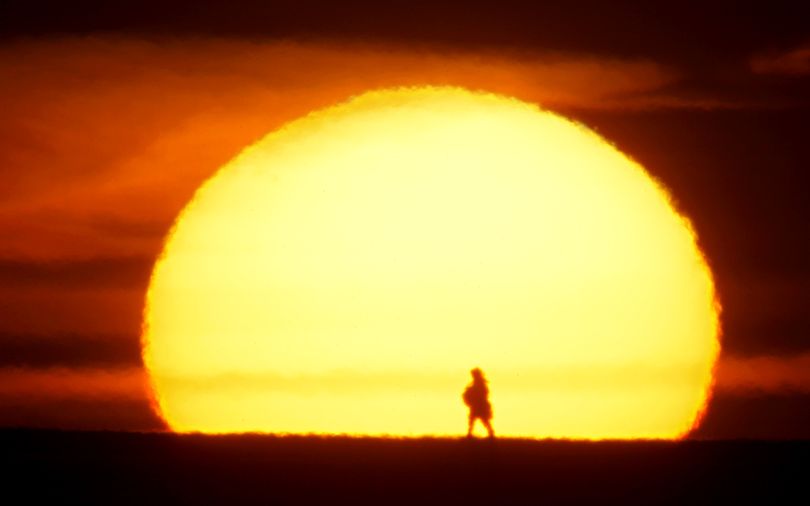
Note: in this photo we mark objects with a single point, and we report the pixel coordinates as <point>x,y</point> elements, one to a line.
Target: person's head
<point>477,374</point>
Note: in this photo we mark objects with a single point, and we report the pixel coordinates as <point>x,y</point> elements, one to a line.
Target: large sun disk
<point>344,273</point>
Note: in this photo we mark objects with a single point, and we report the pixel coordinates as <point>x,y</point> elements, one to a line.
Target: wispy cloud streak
<point>792,62</point>
<point>764,374</point>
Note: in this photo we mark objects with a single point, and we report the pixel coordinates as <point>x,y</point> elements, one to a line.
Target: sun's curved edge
<point>374,96</point>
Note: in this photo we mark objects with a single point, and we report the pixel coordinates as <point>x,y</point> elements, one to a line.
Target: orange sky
<point>104,139</point>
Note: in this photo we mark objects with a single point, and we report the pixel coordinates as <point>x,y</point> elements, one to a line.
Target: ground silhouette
<point>50,467</point>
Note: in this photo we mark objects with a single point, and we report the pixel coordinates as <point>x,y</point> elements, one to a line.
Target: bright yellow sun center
<point>344,274</point>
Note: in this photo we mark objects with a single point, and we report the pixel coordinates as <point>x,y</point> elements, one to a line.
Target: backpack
<point>468,396</point>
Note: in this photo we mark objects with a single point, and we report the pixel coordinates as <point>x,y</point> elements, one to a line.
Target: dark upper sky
<point>738,166</point>
<point>693,33</point>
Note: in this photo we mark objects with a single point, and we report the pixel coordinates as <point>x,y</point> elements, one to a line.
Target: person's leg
<point>470,423</point>
<point>488,425</point>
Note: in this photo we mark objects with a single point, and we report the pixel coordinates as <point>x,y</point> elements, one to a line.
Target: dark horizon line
<point>21,430</point>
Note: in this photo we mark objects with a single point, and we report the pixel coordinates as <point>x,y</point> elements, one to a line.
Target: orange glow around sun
<point>344,274</point>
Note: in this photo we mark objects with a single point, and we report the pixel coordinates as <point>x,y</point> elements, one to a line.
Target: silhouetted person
<point>476,397</point>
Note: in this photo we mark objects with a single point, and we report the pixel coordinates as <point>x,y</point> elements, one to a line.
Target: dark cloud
<point>80,414</point>
<point>792,62</point>
<point>764,416</point>
<point>763,374</point>
<point>72,350</point>
<point>121,272</point>
<point>766,315</point>
<point>85,398</point>
<point>755,334</point>
<point>669,29</point>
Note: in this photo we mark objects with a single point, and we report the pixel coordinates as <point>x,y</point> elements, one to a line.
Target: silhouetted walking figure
<point>476,397</point>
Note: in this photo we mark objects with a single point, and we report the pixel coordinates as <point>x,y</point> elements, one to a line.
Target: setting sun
<point>344,274</point>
